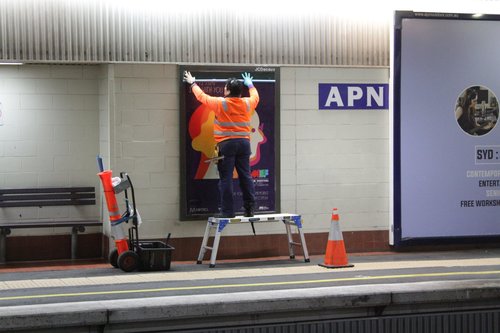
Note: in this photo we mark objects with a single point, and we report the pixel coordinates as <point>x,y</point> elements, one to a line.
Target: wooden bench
<point>48,196</point>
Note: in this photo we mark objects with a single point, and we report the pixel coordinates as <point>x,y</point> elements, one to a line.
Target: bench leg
<point>3,244</point>
<point>74,240</point>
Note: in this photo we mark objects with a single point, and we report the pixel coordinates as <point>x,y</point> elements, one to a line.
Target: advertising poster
<point>199,185</point>
<point>446,131</point>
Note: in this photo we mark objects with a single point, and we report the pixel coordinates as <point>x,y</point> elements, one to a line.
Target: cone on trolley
<point>117,233</point>
<point>335,256</point>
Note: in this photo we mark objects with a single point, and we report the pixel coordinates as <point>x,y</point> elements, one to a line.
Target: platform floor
<point>23,284</point>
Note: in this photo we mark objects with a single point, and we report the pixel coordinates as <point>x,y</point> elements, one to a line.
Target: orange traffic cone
<point>117,233</point>
<point>335,256</point>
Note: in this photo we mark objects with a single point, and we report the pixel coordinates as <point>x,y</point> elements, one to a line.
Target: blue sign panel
<point>352,96</point>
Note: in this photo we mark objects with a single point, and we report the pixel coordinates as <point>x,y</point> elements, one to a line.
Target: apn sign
<point>353,96</point>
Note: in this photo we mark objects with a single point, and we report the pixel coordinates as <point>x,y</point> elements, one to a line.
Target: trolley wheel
<point>113,258</point>
<point>128,261</point>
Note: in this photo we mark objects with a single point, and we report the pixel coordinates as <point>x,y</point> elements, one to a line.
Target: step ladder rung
<point>295,243</point>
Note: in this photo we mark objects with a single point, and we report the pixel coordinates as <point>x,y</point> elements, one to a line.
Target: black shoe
<point>249,212</point>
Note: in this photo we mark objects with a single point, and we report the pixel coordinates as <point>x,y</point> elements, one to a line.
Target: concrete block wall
<point>328,158</point>
<point>48,134</point>
<point>145,143</point>
<point>333,158</point>
<point>57,118</point>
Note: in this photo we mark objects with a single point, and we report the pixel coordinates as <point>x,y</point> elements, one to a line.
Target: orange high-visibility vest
<point>232,114</point>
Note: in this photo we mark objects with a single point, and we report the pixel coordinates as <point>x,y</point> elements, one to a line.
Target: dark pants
<point>236,153</point>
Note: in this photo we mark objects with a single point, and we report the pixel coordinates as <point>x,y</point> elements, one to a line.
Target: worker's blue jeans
<point>236,154</point>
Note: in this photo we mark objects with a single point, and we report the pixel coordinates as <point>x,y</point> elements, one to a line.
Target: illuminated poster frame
<point>199,195</point>
<point>446,170</point>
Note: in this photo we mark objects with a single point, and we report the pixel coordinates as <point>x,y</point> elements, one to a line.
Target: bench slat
<point>48,196</point>
<point>46,190</point>
<point>47,203</point>
<point>61,196</point>
<point>50,224</point>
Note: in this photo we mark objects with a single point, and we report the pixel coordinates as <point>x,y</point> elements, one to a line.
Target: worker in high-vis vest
<point>232,131</point>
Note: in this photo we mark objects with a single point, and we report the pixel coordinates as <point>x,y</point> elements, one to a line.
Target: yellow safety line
<point>241,285</point>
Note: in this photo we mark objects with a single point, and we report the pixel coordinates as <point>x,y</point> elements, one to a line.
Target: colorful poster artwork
<point>201,176</point>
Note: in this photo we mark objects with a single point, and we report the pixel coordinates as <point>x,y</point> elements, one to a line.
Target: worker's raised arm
<point>210,101</point>
<point>254,94</point>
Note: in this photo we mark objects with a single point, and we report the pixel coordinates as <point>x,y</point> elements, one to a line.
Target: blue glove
<point>247,79</point>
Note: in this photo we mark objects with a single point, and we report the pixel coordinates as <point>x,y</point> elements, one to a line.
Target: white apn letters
<point>334,97</point>
<point>374,96</point>
<point>353,94</point>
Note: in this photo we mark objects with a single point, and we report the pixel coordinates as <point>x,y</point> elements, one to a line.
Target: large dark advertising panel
<point>446,136</point>
<point>199,184</point>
